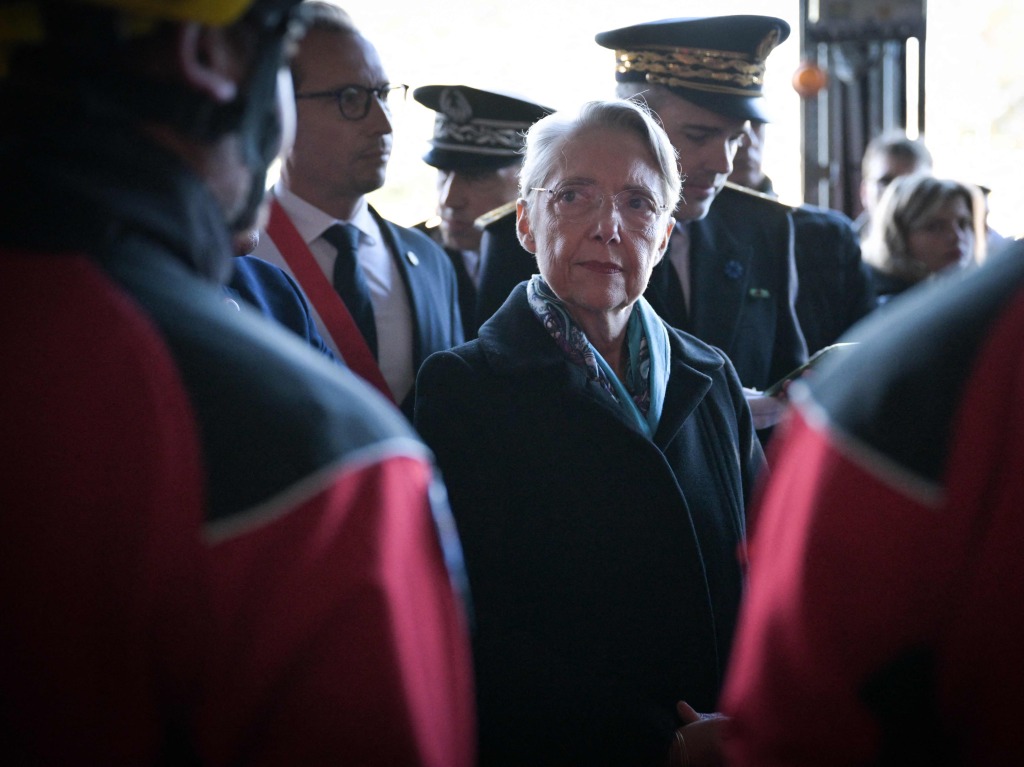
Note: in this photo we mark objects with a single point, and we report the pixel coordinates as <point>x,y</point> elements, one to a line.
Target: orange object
<point>809,79</point>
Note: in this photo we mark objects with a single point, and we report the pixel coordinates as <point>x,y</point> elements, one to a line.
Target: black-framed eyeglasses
<point>354,100</point>
<point>638,209</point>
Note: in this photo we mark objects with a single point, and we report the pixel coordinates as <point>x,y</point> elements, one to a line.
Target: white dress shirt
<point>679,257</point>
<point>391,306</point>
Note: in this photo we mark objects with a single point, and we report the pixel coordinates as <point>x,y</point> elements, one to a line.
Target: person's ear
<point>208,61</point>
<point>663,245</point>
<point>523,227</point>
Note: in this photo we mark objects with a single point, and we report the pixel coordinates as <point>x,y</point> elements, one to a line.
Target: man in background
<point>475,147</point>
<point>385,296</point>
<point>887,156</point>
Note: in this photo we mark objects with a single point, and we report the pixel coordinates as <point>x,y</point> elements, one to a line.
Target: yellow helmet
<point>21,21</point>
<point>21,18</point>
<point>212,12</point>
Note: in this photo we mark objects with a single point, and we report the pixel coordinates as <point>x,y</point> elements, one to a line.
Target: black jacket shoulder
<point>740,197</point>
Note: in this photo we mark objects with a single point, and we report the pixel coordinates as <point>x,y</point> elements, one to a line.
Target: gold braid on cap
<point>496,137</point>
<point>733,73</point>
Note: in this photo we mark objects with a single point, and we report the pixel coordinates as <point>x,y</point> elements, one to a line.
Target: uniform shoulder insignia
<point>755,194</point>
<point>488,218</point>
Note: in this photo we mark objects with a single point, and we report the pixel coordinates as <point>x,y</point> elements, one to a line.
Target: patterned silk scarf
<point>642,394</point>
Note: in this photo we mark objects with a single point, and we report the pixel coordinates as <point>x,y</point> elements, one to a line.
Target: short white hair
<point>548,136</point>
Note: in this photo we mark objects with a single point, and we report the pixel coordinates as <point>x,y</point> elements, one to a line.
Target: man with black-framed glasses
<point>385,296</point>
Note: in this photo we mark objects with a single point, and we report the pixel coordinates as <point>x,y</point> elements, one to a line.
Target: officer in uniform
<point>475,148</point>
<point>729,276</point>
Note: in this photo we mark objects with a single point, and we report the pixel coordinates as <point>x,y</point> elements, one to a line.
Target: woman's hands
<point>698,741</point>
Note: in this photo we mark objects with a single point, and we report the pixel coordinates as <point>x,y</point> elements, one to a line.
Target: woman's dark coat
<point>604,568</point>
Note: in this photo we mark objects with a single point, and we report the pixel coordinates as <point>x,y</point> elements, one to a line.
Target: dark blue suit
<point>276,295</point>
<point>430,287</point>
<point>835,284</point>
<point>433,293</point>
<point>467,289</point>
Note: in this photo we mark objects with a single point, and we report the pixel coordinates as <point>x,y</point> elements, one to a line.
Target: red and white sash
<point>332,310</point>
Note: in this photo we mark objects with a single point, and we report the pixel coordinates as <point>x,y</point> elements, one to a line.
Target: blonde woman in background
<point>924,226</point>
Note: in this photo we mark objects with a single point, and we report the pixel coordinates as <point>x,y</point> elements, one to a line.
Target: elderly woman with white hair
<point>599,464</point>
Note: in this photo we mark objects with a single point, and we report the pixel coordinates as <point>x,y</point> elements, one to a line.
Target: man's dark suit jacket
<point>433,294</point>
<point>430,286</point>
<point>835,289</point>
<point>743,286</point>
<point>835,286</point>
<point>467,289</point>
<point>505,263</point>
<point>275,294</point>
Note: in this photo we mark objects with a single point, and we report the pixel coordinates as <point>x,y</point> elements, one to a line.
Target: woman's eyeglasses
<point>354,100</point>
<point>638,209</point>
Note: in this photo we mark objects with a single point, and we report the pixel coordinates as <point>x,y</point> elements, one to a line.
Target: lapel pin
<point>733,269</point>
<point>412,258</point>
<point>760,293</point>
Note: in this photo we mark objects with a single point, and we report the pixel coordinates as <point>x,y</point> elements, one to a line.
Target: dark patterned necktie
<point>350,282</point>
